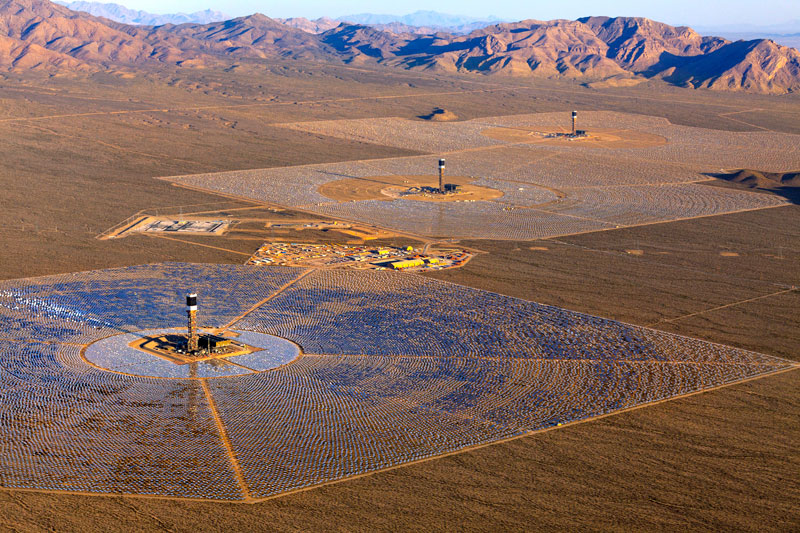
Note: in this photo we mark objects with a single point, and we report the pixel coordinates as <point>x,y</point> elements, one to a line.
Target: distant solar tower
<point>441,176</point>
<point>574,120</point>
<point>191,311</point>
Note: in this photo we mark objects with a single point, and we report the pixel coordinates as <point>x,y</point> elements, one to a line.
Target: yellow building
<point>408,263</point>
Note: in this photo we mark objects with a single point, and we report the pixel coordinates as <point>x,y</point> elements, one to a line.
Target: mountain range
<point>40,35</point>
<point>787,27</point>
<point>421,22</point>
<point>791,40</point>
<point>419,18</point>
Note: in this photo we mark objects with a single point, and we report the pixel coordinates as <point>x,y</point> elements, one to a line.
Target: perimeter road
<point>732,304</point>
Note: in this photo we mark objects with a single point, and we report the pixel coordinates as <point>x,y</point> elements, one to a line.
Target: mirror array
<point>395,368</point>
<point>548,188</point>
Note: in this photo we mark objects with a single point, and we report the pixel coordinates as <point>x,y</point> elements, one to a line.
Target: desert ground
<point>81,155</point>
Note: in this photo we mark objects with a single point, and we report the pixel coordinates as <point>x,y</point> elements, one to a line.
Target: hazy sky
<point>696,12</point>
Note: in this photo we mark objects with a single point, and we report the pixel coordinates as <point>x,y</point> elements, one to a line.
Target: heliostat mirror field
<point>394,368</point>
<point>632,170</point>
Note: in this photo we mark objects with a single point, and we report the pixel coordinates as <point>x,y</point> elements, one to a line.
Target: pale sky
<point>693,12</point>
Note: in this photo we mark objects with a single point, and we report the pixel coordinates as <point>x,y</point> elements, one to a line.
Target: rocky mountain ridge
<point>40,35</point>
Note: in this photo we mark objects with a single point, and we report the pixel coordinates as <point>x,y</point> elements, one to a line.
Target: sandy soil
<point>393,187</point>
<point>598,138</point>
<point>616,82</point>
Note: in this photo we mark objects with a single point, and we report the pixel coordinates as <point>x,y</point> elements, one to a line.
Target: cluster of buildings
<point>360,257</point>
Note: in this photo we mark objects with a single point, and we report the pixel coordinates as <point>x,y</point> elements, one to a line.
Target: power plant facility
<point>575,134</point>
<point>443,188</point>
<point>192,347</point>
<point>446,188</point>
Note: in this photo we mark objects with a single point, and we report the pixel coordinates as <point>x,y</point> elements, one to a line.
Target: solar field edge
<point>628,324</point>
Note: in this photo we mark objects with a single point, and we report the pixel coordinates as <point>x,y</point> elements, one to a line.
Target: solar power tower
<point>574,120</point>
<point>441,176</point>
<point>192,343</point>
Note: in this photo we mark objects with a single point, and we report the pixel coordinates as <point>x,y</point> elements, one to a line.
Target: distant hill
<point>40,35</point>
<point>784,28</point>
<point>427,19</point>
<point>786,33</point>
<point>420,22</point>
<point>754,179</point>
<point>786,184</point>
<point>122,14</point>
<point>323,24</point>
<point>319,25</point>
<point>792,39</point>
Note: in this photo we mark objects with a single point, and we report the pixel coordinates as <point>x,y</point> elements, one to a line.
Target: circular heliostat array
<point>350,372</point>
<point>118,354</point>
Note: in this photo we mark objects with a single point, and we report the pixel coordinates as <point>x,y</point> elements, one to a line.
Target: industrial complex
<point>442,189</point>
<point>193,347</point>
<point>161,224</point>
